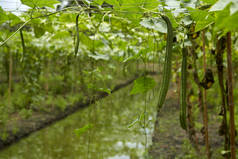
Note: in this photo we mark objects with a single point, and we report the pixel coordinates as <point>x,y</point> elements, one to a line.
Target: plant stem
<point>219,62</point>
<point>230,97</point>
<point>10,78</point>
<point>205,116</point>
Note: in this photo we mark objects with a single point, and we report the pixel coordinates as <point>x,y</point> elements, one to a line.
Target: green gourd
<point>77,40</point>
<point>167,64</point>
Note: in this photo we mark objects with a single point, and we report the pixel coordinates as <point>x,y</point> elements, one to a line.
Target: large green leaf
<point>38,26</point>
<point>13,19</point>
<point>100,2</point>
<point>132,10</point>
<point>8,16</point>
<point>142,85</point>
<point>3,16</point>
<point>115,3</point>
<point>203,18</point>
<point>40,3</point>
<point>222,4</point>
<point>38,31</point>
<point>226,22</point>
<point>209,1</point>
<point>155,23</point>
<point>151,4</point>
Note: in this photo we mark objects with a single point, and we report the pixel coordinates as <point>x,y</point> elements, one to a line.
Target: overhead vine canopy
<point>82,44</point>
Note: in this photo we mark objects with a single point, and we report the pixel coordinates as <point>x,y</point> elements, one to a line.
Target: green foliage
<point>203,18</point>
<point>40,3</point>
<point>3,16</point>
<point>60,102</point>
<point>156,24</point>
<point>114,41</point>
<point>82,130</point>
<point>8,16</point>
<point>142,85</point>
<point>24,113</point>
<point>226,13</point>
<point>222,4</point>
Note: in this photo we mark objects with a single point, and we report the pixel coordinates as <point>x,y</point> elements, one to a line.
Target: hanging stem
<point>10,78</point>
<point>230,97</point>
<point>205,116</point>
<point>197,81</point>
<point>196,77</point>
<point>219,61</point>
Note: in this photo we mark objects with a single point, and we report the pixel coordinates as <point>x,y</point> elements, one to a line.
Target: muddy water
<point>108,138</point>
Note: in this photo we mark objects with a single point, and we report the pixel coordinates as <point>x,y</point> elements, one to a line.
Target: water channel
<point>111,136</point>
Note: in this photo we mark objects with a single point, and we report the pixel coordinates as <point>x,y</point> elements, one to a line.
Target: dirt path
<point>170,141</point>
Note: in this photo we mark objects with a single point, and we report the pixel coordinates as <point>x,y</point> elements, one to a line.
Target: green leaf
<point>234,7</point>
<point>151,4</point>
<point>133,123</point>
<point>38,31</point>
<point>99,57</point>
<point>40,3</point>
<point>142,85</point>
<point>222,4</point>
<point>186,20</point>
<point>61,35</point>
<point>132,10</point>
<point>13,19</point>
<point>3,16</point>
<point>100,2</point>
<point>202,17</point>
<point>115,3</point>
<point>82,130</point>
<point>209,1</point>
<point>107,90</point>
<point>172,19</point>
<point>155,23</point>
<point>226,22</point>
<point>84,39</point>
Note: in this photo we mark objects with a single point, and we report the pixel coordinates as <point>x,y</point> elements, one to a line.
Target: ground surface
<point>170,141</point>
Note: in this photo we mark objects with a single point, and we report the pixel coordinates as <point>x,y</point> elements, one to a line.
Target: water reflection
<point>109,138</point>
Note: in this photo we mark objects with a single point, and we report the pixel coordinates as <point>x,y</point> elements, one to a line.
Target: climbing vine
<point>90,46</point>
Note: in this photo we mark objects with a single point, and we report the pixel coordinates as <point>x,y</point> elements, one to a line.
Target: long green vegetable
<point>167,64</point>
<point>183,103</point>
<point>22,43</point>
<point>77,32</point>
